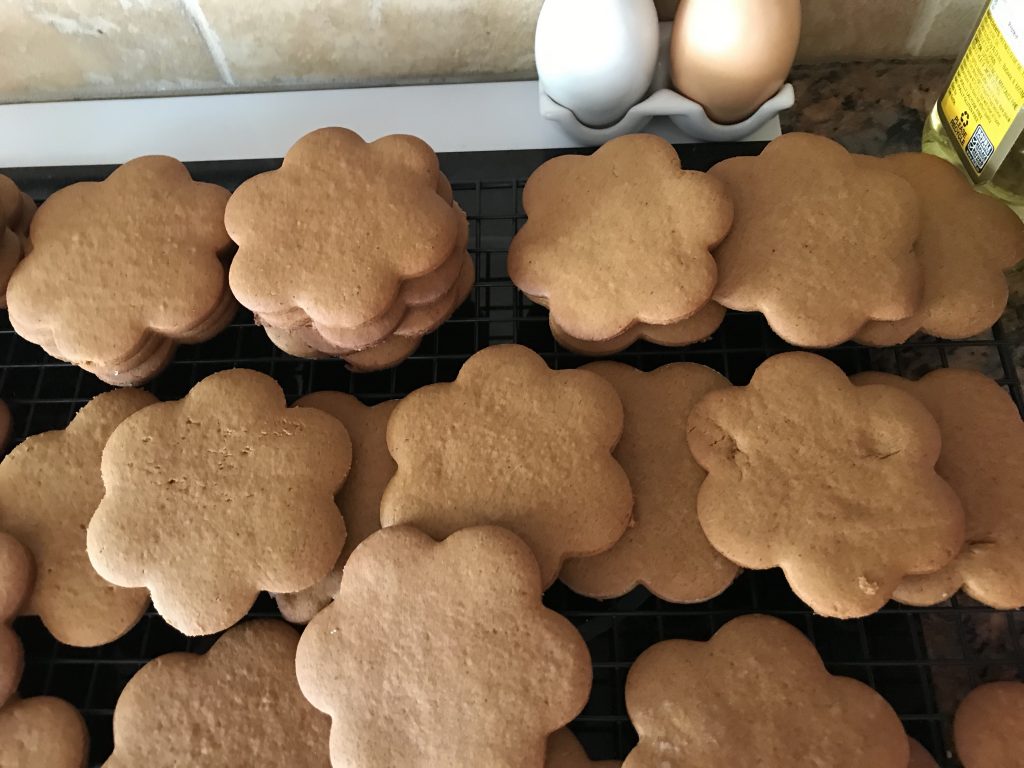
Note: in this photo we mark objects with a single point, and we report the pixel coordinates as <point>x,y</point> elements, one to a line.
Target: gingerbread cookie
<point>387,354</point>
<point>338,227</point>
<point>621,237</point>
<point>920,757</point>
<point>967,240</point>
<point>665,548</point>
<point>117,263</point>
<point>15,583</point>
<point>238,704</point>
<point>834,483</point>
<point>680,334</point>
<point>422,633</point>
<point>292,343</point>
<point>42,732</point>
<point>16,212</point>
<point>758,694</point>
<point>359,498</point>
<point>10,201</point>
<point>565,751</point>
<point>989,726</point>
<point>511,442</point>
<point>215,497</point>
<point>982,458</point>
<point>50,485</point>
<point>821,243</point>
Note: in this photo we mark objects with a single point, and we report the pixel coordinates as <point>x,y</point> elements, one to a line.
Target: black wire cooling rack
<point>922,660</point>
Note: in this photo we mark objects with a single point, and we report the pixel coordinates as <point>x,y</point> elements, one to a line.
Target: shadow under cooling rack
<point>922,660</point>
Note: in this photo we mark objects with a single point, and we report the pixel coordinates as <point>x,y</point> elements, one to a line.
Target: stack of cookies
<point>618,247</point>
<point>16,212</point>
<point>830,246</point>
<point>123,270</point>
<point>350,250</point>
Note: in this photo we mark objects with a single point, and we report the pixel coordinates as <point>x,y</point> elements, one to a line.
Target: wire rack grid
<point>923,661</point>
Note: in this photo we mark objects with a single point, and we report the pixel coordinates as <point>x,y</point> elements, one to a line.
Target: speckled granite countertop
<point>879,108</point>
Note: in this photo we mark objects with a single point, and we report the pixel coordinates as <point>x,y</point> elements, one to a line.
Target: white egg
<point>597,57</point>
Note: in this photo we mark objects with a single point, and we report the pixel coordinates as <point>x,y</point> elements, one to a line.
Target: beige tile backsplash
<point>59,49</point>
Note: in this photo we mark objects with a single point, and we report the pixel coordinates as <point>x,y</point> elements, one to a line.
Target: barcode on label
<point>979,149</point>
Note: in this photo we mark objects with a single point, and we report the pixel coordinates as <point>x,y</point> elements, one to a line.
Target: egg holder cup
<point>663,101</point>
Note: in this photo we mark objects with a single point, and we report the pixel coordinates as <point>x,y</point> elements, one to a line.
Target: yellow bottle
<point>978,123</point>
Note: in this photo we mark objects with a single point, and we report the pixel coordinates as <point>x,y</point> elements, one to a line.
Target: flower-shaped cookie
<point>42,732</point>
<point>821,243</point>
<point>359,498</point>
<point>513,443</point>
<point>983,459</point>
<point>680,334</point>
<point>118,263</point>
<point>665,548</point>
<point>834,483</point>
<point>16,212</point>
<point>565,751</point>
<point>239,704</point>
<point>988,728</point>
<point>755,694</point>
<point>339,226</point>
<point>16,570</point>
<point>50,485</point>
<point>620,237</point>
<point>217,496</point>
<point>967,239</point>
<point>442,654</point>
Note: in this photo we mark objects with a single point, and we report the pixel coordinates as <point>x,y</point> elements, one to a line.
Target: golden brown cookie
<point>982,458</point>
<point>16,212</point>
<point>511,442</point>
<point>756,694</point>
<point>665,548</point>
<point>10,202</point>
<point>920,757</point>
<point>42,732</point>
<point>821,243</point>
<point>50,485</point>
<point>118,262</point>
<point>989,726</point>
<point>424,634</point>
<point>215,497</point>
<point>359,498</point>
<point>967,240</point>
<point>11,251</point>
<point>238,704</point>
<point>565,751</point>
<point>389,353</point>
<point>292,343</point>
<point>834,483</point>
<point>28,212</point>
<point>621,237</point>
<point>336,230</point>
<point>680,334</point>
<point>415,321</point>
<point>16,573</point>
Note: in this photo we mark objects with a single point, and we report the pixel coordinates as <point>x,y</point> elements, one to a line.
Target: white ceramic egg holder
<point>662,101</point>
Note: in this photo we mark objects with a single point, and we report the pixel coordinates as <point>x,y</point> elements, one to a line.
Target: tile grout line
<point>216,50</point>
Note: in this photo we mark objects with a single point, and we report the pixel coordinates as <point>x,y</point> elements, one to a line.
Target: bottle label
<point>982,107</point>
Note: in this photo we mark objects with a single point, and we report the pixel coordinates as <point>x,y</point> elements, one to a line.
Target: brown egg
<point>731,56</point>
